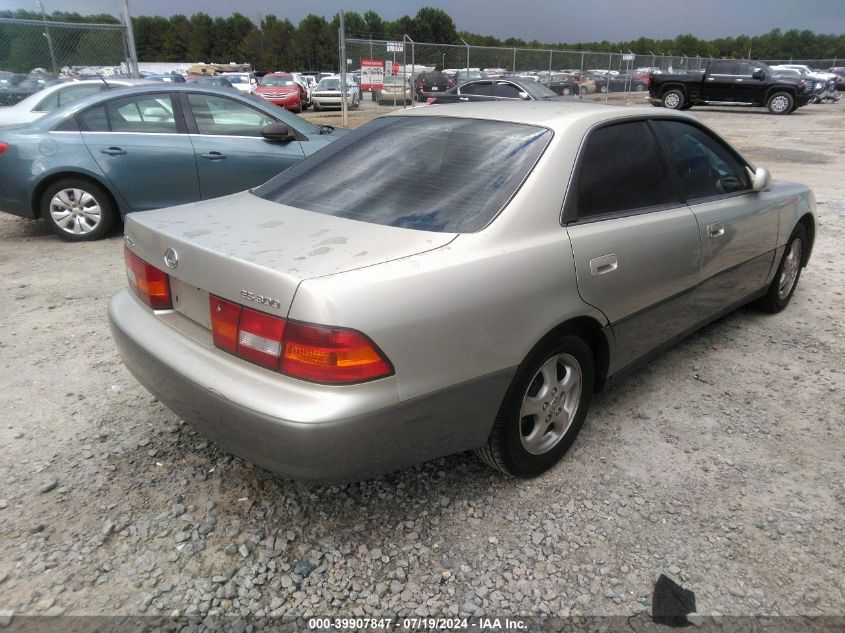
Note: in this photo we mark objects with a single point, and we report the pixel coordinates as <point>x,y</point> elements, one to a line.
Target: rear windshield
<point>440,174</point>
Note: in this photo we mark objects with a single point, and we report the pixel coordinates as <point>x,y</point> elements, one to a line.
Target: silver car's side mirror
<point>762,180</point>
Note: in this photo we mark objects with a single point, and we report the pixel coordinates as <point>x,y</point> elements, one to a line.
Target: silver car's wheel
<point>789,270</point>
<point>77,210</point>
<point>550,404</point>
<point>785,281</point>
<point>544,407</point>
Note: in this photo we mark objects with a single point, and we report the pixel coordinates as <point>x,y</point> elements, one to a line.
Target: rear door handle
<point>214,155</point>
<point>717,229</point>
<point>463,98</point>
<point>603,264</point>
<point>113,151</point>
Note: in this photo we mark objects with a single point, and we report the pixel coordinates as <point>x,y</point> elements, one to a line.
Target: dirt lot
<point>720,464</point>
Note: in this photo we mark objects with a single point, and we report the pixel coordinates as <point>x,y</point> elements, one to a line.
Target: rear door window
<point>622,169</point>
<point>147,113</point>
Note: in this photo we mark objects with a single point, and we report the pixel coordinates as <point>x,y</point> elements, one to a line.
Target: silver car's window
<point>222,116</point>
<point>622,169</point>
<point>150,113</point>
<point>705,167</point>
<point>65,96</point>
<point>428,173</point>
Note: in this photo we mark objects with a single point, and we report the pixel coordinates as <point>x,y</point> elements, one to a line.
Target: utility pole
<point>49,39</point>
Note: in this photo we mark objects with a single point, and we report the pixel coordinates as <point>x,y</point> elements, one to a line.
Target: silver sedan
<point>450,278</point>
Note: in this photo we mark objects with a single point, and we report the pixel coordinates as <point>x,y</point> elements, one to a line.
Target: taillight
<point>430,100</point>
<point>225,316</point>
<point>648,81</point>
<point>420,85</point>
<point>148,282</point>
<point>331,355</point>
<point>310,352</point>
<point>3,147</point>
<point>260,338</point>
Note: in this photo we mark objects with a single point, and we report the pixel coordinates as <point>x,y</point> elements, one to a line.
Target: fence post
<point>514,60</point>
<point>130,41</point>
<point>342,38</point>
<point>49,38</point>
<point>467,45</point>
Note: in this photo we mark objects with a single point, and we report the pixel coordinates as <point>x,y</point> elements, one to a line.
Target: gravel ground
<point>720,464</point>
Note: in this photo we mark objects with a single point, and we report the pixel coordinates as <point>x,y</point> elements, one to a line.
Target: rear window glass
<point>428,173</point>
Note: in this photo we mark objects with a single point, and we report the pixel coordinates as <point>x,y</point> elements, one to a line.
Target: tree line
<point>276,43</point>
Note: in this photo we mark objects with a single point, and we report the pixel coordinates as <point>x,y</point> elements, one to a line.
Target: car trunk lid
<point>256,252</point>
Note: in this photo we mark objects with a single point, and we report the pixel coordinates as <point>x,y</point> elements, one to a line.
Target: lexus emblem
<point>171,259</point>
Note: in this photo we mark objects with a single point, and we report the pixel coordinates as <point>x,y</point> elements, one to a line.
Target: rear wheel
<point>78,210</point>
<point>566,91</point>
<point>673,99</point>
<point>603,89</point>
<point>780,103</point>
<point>543,409</point>
<point>786,278</point>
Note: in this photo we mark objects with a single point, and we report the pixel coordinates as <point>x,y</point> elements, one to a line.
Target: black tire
<point>603,89</point>
<point>316,108</point>
<point>63,199</point>
<point>775,299</point>
<point>583,90</point>
<point>780,103</point>
<point>505,449</point>
<point>639,87</point>
<point>673,99</point>
<point>566,91</point>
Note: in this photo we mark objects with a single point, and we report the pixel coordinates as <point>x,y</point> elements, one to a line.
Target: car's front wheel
<point>786,278</point>
<point>543,409</point>
<point>78,210</point>
<point>673,99</point>
<point>780,103</point>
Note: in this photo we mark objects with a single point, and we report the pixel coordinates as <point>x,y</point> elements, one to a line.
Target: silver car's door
<point>140,145</point>
<point>231,154</point>
<point>636,245</point>
<point>738,227</point>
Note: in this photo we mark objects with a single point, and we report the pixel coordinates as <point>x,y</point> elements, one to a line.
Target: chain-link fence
<point>34,51</point>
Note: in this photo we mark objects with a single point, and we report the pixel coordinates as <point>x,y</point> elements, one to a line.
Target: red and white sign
<point>372,74</point>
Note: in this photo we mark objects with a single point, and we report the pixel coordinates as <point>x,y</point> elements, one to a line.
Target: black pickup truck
<point>730,82</point>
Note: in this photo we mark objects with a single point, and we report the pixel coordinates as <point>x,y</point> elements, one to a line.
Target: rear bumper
<point>221,397</point>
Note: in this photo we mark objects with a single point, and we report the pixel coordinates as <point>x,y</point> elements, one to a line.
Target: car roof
<point>51,119</point>
<point>557,115</point>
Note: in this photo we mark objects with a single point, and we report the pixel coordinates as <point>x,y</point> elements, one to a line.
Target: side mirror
<point>759,73</point>
<point>523,95</point>
<point>278,132</point>
<point>762,180</point>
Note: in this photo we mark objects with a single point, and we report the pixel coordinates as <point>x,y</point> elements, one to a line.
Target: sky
<point>549,21</point>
